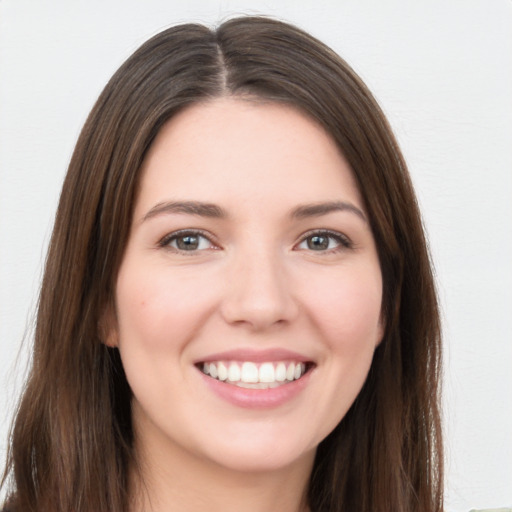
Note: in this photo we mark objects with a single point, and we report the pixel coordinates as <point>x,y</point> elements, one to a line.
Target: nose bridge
<point>258,293</point>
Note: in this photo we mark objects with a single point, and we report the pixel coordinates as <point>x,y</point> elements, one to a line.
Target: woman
<point>238,310</point>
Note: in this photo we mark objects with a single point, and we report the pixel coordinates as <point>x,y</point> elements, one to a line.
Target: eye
<point>324,241</point>
<point>187,241</point>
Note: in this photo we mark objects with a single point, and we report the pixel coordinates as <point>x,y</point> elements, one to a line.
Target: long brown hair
<point>72,437</point>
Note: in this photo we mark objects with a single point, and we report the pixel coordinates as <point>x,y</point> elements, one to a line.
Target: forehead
<point>234,148</point>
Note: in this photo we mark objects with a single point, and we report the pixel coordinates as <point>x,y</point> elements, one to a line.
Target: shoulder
<point>491,510</point>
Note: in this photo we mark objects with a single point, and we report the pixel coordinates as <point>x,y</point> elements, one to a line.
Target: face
<point>248,301</point>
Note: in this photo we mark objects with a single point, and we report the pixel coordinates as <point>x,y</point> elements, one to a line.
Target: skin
<point>256,280</point>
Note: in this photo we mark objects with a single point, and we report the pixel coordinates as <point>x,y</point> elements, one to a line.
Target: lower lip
<point>257,398</point>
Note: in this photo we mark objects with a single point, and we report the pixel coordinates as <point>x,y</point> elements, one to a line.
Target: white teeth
<point>233,372</point>
<point>290,372</point>
<point>222,371</point>
<point>266,373</point>
<point>281,372</point>
<point>250,375</point>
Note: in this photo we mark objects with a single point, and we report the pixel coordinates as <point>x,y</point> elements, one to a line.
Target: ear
<point>108,331</point>
<point>381,331</point>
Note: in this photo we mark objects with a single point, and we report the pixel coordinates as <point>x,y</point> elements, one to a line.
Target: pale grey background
<point>442,70</point>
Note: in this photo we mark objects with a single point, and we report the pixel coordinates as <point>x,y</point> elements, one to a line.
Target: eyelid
<point>164,242</point>
<point>344,241</point>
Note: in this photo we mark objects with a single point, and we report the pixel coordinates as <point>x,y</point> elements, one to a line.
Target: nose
<point>258,294</point>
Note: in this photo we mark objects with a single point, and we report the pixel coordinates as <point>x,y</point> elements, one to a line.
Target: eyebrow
<point>319,209</point>
<point>214,211</point>
<point>186,207</point>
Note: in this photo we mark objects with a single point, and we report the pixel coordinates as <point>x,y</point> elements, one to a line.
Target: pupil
<point>318,242</point>
<point>188,242</point>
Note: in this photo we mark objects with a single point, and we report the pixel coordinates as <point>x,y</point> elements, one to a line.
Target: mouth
<point>251,375</point>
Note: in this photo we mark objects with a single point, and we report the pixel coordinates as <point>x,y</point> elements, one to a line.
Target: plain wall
<point>441,69</point>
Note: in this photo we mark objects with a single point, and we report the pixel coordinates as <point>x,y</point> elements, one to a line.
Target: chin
<point>263,459</point>
<point>259,450</point>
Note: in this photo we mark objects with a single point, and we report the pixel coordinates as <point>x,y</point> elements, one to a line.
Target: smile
<point>255,375</point>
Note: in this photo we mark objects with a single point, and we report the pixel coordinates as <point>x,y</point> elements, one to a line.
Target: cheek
<point>160,309</point>
<point>347,309</point>
<point>344,308</point>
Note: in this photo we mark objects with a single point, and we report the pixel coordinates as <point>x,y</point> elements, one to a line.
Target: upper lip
<point>256,356</point>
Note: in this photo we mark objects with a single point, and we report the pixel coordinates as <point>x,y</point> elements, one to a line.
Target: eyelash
<point>168,239</point>
<point>342,241</point>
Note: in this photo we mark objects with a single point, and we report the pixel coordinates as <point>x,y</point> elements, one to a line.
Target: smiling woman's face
<point>248,301</point>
